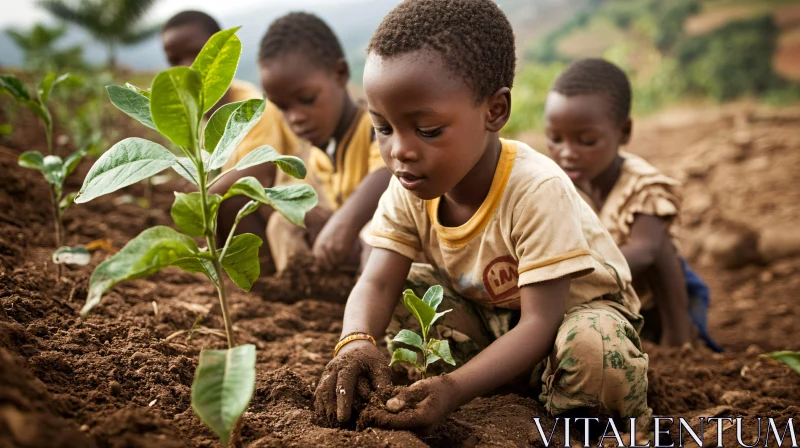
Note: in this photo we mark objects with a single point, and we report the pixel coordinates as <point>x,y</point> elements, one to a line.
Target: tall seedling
<point>54,168</point>
<point>174,106</point>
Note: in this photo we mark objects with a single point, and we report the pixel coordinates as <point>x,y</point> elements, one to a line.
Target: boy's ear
<point>342,71</point>
<point>499,109</point>
<point>627,130</point>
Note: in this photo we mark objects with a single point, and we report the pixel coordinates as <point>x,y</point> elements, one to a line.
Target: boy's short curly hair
<point>474,38</point>
<point>192,17</point>
<point>594,76</point>
<point>300,31</point>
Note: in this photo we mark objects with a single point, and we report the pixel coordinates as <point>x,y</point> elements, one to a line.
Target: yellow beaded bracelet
<point>356,336</point>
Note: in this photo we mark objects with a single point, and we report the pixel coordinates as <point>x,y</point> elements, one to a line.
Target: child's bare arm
<point>369,310</point>
<point>426,403</point>
<point>671,297</point>
<point>335,241</point>
<point>648,234</point>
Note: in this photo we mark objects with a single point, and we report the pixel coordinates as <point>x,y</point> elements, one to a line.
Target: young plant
<point>174,106</point>
<point>54,169</point>
<point>791,359</point>
<point>432,350</point>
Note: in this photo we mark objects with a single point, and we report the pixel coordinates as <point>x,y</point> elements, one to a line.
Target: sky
<point>25,12</point>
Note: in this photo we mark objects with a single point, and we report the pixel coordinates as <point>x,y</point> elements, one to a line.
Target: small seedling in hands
<point>174,106</point>
<point>791,359</point>
<point>432,350</point>
<point>54,169</point>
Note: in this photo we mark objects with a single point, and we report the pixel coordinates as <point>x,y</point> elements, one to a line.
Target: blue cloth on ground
<point>699,301</point>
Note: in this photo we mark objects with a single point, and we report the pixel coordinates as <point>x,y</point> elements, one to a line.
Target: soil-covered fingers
<point>325,395</point>
<point>345,390</point>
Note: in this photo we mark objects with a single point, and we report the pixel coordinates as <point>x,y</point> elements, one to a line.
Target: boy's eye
<point>383,130</point>
<point>554,139</point>
<point>308,100</point>
<point>586,142</point>
<point>429,133</point>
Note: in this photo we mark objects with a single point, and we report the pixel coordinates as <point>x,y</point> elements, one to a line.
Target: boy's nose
<point>403,152</point>
<point>295,117</point>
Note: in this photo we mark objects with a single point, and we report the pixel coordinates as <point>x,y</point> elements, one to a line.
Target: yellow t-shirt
<point>271,129</point>
<point>640,189</point>
<point>356,155</point>
<point>532,227</point>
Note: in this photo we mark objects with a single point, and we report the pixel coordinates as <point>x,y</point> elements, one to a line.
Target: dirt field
<point>121,378</point>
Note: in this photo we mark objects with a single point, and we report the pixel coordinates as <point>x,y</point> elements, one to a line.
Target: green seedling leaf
<point>217,64</point>
<point>441,350</point>
<point>404,355</point>
<point>153,250</point>
<point>53,169</point>
<point>133,103</point>
<point>239,124</point>
<point>32,159</point>
<point>144,92</point>
<point>437,316</point>
<point>185,167</point>
<point>187,212</point>
<point>241,260</point>
<point>126,163</point>
<point>175,104</point>
<point>248,209</point>
<point>77,255</point>
<point>47,84</point>
<point>292,201</point>
<point>199,266</point>
<point>433,296</point>
<point>408,337</point>
<point>290,165</point>
<point>72,161</point>
<point>215,127</point>
<point>41,112</point>
<point>223,385</point>
<point>15,87</point>
<point>791,359</point>
<point>66,201</point>
<point>421,310</point>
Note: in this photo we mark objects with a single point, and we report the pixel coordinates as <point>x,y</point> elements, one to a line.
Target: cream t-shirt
<point>532,227</point>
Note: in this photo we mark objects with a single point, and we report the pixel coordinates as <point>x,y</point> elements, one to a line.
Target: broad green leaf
<point>223,385</point>
<point>47,84</point>
<point>404,355</point>
<point>41,111</point>
<point>292,201</point>
<point>126,163</point>
<point>32,159</point>
<point>185,167</point>
<point>248,208</point>
<point>442,350</point>
<point>144,92</point>
<point>53,168</point>
<point>791,359</point>
<point>241,260</point>
<point>290,165</point>
<point>77,255</point>
<point>199,266</point>
<point>72,161</point>
<point>66,201</point>
<point>408,337</point>
<point>431,358</point>
<point>133,103</point>
<point>217,64</point>
<point>421,310</point>
<point>437,316</point>
<point>433,296</point>
<point>175,104</point>
<point>239,124</point>
<point>15,87</point>
<point>148,253</point>
<point>216,125</point>
<point>187,212</point>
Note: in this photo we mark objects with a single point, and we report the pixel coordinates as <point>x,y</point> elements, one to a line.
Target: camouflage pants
<point>597,360</point>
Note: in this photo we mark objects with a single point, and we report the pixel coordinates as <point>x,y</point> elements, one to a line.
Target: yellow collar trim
<point>463,234</point>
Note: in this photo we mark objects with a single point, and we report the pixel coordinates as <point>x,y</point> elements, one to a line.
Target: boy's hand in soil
<point>340,382</point>
<point>420,407</point>
<point>335,243</point>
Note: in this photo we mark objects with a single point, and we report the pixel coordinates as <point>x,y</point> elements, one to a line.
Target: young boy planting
<point>304,73</point>
<point>183,36</point>
<point>587,117</point>
<point>530,273</point>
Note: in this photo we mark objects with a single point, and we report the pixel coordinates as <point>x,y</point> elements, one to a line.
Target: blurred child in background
<point>587,119</point>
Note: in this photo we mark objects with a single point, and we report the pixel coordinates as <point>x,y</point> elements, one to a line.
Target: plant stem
<point>49,136</point>
<point>57,222</point>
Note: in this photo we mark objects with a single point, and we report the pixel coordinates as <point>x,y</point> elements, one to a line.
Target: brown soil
<point>117,378</point>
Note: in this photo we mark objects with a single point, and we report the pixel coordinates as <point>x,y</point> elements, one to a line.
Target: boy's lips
<point>409,181</point>
<point>573,174</point>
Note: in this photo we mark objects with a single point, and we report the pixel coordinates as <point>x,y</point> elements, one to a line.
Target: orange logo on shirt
<point>501,277</point>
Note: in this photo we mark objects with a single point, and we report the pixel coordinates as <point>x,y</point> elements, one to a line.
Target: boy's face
<point>430,131</point>
<point>183,43</point>
<point>311,98</point>
<point>582,134</point>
